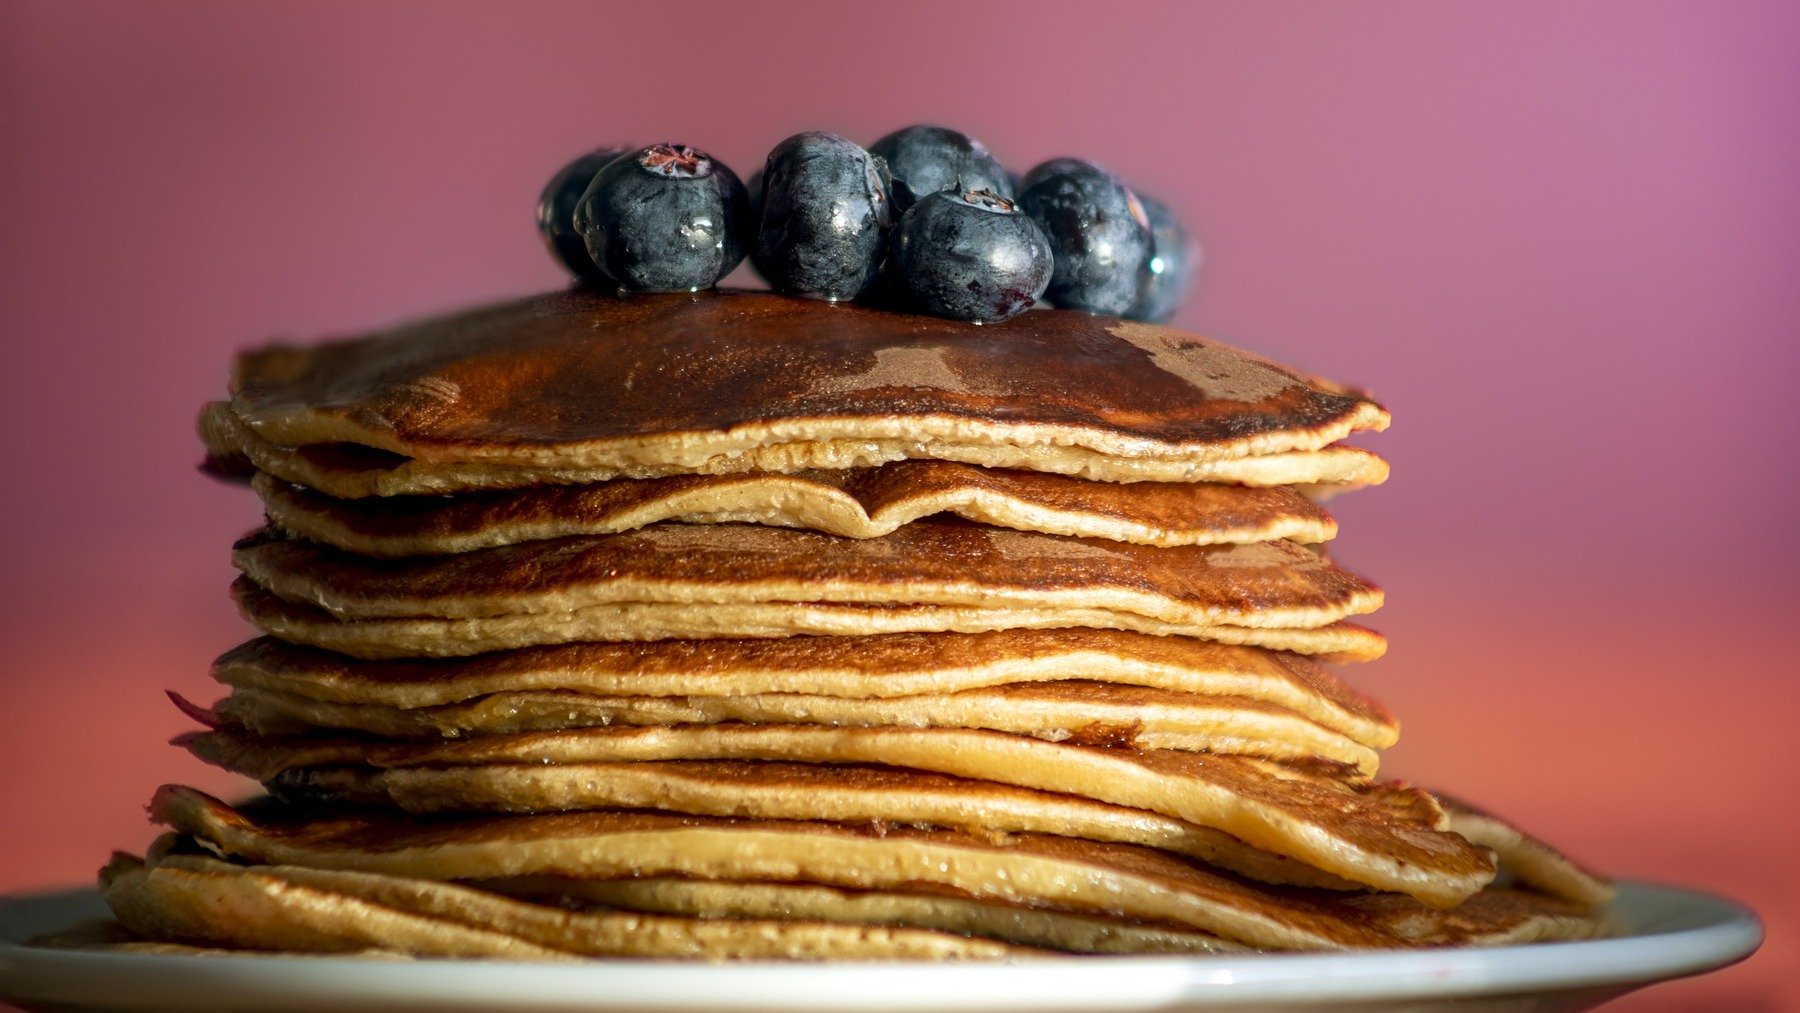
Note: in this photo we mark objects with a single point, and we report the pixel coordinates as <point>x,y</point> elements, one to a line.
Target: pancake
<point>1494,917</point>
<point>238,909</point>
<point>1058,711</point>
<point>857,668</point>
<point>877,796</point>
<point>1038,870</point>
<point>574,379</point>
<point>943,912</point>
<point>1268,584</point>
<point>1497,916</point>
<point>352,471</point>
<point>293,909</point>
<point>109,936</point>
<point>1527,859</point>
<point>456,638</point>
<point>858,503</point>
<point>1386,836</point>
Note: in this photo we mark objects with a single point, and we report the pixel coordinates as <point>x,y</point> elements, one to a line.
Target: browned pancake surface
<point>574,368</point>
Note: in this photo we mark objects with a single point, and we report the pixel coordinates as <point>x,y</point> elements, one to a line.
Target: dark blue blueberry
<point>1097,232</point>
<point>667,218</point>
<point>1169,272</point>
<point>556,212</point>
<point>970,256</point>
<point>925,159</point>
<point>1052,167</point>
<point>825,217</point>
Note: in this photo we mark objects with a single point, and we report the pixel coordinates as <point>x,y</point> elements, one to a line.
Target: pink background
<point>1561,240</point>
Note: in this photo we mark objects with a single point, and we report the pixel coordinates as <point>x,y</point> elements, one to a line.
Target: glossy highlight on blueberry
<point>1169,272</point>
<point>666,218</point>
<point>970,256</point>
<point>556,212</point>
<point>826,214</point>
<point>1098,232</point>
<point>926,159</point>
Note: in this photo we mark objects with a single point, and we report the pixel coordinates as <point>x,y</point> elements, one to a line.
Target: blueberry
<point>556,212</point>
<point>1053,167</point>
<point>925,159</point>
<point>970,256</point>
<point>1169,272</point>
<point>825,217</point>
<point>667,218</point>
<point>1097,231</point>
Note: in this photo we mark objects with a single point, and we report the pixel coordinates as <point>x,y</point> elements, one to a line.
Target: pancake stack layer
<point>732,626</point>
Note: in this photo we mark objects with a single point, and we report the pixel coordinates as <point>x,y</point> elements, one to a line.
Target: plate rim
<point>1711,932</point>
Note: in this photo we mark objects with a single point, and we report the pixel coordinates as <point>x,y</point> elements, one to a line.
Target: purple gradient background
<point>1561,240</point>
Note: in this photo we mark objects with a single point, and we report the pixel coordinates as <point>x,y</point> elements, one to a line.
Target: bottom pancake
<point>1495,917</point>
<point>943,911</point>
<point>203,901</point>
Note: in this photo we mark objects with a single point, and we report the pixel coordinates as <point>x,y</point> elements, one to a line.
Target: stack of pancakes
<point>739,626</point>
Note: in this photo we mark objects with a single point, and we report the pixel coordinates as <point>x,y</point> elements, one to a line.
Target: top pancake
<point>355,471</point>
<point>674,383</point>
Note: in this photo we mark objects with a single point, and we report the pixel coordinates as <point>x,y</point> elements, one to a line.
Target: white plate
<point>1672,933</point>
